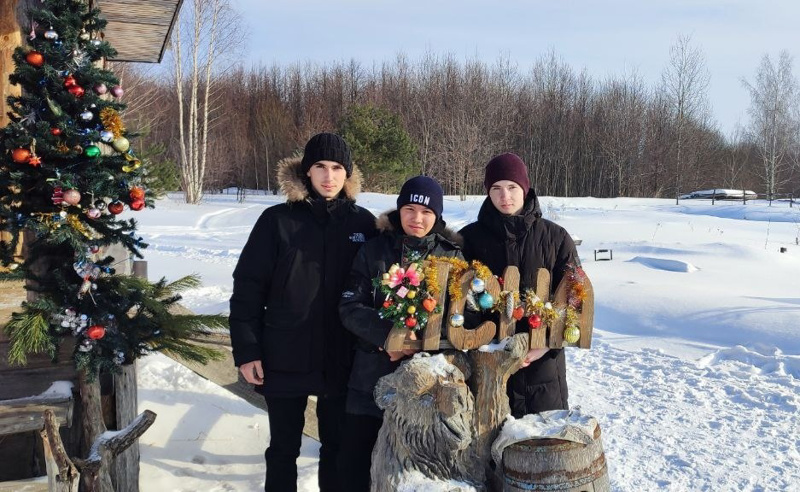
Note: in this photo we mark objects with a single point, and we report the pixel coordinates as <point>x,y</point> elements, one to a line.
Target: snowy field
<point>694,374</point>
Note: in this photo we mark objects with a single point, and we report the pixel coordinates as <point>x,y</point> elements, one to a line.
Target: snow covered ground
<point>694,374</point>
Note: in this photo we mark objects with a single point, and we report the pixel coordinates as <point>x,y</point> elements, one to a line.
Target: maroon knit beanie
<point>507,166</point>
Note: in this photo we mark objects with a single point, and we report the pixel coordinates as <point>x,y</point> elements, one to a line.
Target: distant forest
<point>579,136</point>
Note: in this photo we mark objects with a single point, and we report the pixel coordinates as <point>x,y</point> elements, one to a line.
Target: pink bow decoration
<point>396,276</point>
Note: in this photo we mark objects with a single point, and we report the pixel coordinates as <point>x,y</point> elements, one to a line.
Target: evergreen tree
<point>67,171</point>
<point>381,147</point>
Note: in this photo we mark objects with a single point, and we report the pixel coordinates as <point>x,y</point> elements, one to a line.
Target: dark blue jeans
<point>286,420</point>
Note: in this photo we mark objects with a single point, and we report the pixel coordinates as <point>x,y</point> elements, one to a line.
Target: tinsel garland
<point>112,121</point>
<point>457,269</point>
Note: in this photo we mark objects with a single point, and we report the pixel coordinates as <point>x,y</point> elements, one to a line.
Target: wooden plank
<point>432,334</point>
<point>461,337</point>
<point>556,339</point>
<point>586,322</point>
<point>539,335</point>
<point>140,13</point>
<point>508,324</point>
<point>26,414</point>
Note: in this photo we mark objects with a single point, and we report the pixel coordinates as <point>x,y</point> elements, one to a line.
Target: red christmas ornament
<point>35,58</point>
<point>518,313</point>
<point>76,91</point>
<point>534,321</point>
<point>386,304</point>
<point>20,155</point>
<point>137,205</point>
<point>69,81</point>
<point>96,332</point>
<point>35,161</point>
<point>411,322</point>
<point>116,207</point>
<point>55,131</point>
<point>137,193</point>
<point>429,304</point>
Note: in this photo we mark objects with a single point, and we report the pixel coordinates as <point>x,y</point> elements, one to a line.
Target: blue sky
<point>611,37</point>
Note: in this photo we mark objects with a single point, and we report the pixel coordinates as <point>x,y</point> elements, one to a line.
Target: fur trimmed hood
<point>389,222</point>
<point>292,181</point>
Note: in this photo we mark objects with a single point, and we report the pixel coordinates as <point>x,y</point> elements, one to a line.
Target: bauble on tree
<point>96,332</point>
<point>34,58</point>
<point>116,207</point>
<point>20,155</point>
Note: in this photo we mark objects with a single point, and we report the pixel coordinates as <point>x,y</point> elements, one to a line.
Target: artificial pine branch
<point>28,333</point>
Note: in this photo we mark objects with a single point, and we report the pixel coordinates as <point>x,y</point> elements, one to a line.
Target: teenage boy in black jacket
<point>510,230</point>
<point>285,330</point>
<point>409,234</point>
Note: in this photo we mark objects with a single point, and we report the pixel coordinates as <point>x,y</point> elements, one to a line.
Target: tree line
<point>579,135</point>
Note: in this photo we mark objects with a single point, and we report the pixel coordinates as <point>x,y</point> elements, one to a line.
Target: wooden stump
<point>104,448</point>
<point>490,373</point>
<point>556,464</point>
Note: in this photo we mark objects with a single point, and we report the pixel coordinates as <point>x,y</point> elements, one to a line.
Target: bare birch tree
<point>685,81</point>
<point>773,127</point>
<point>205,40</point>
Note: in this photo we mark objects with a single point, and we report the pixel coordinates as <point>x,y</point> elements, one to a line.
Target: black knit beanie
<point>327,147</point>
<point>422,190</point>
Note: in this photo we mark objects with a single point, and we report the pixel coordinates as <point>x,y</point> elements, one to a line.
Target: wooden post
<point>97,479</point>
<point>490,373</point>
<point>125,472</point>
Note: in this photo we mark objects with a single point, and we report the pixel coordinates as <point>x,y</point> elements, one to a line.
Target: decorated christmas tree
<point>67,172</point>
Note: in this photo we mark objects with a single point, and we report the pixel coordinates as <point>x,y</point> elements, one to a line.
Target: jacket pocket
<point>285,346</point>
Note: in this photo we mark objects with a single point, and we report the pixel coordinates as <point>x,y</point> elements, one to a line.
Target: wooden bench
<point>27,414</point>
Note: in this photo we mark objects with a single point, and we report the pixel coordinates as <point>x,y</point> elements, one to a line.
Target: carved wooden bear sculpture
<point>427,433</point>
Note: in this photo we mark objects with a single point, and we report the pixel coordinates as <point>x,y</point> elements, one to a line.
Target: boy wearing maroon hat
<point>510,230</point>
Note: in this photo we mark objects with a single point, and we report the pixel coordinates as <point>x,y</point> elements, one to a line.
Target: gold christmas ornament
<point>572,334</point>
<point>121,144</point>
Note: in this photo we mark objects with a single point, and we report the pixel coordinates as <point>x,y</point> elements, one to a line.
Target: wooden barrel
<point>556,464</point>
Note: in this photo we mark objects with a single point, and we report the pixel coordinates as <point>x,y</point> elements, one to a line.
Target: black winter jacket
<point>287,285</point>
<point>361,301</point>
<point>529,242</point>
